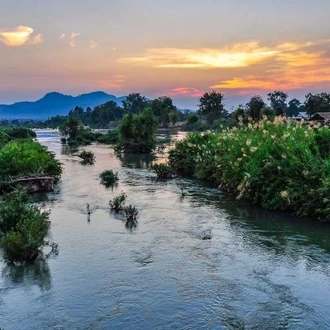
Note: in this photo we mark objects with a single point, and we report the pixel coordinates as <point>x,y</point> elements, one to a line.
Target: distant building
<point>301,115</point>
<point>321,117</point>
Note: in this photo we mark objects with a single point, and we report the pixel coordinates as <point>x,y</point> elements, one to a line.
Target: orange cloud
<point>185,91</point>
<point>93,44</point>
<point>236,56</point>
<point>19,36</point>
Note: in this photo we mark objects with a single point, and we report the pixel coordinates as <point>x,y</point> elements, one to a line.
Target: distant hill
<point>53,104</point>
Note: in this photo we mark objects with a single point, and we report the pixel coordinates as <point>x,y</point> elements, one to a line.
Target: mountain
<point>53,104</point>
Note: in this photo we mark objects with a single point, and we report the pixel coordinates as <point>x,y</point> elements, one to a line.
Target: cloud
<point>70,37</point>
<point>236,56</point>
<point>93,44</point>
<point>38,39</point>
<point>185,92</point>
<point>112,48</point>
<point>294,66</point>
<point>19,36</point>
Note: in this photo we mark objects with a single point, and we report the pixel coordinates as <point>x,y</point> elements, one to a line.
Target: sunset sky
<point>178,48</point>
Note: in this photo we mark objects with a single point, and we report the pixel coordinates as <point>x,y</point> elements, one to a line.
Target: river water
<point>201,261</point>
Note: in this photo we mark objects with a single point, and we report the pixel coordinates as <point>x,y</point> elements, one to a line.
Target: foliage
<point>255,106</point>
<point>276,164</point>
<point>134,103</point>
<point>131,213</point>
<point>23,227</point>
<point>211,106</point>
<point>117,204</point>
<point>163,171</point>
<point>137,133</point>
<point>278,102</point>
<point>27,157</point>
<point>71,127</point>
<point>109,177</point>
<point>20,133</point>
<point>87,157</point>
<point>317,103</point>
<point>294,108</point>
<point>164,110</point>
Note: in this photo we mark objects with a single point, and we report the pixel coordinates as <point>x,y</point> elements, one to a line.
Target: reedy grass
<point>277,164</point>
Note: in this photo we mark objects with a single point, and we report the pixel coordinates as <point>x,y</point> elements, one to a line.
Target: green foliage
<point>71,128</point>
<point>137,133</point>
<point>131,213</point>
<point>164,110</point>
<point>111,137</point>
<point>27,157</point>
<point>255,106</point>
<point>109,177</point>
<point>134,103</point>
<point>278,102</point>
<point>211,106</point>
<point>23,228</point>
<point>163,171</point>
<point>87,157</point>
<point>20,133</point>
<point>317,103</point>
<point>278,165</point>
<point>117,204</point>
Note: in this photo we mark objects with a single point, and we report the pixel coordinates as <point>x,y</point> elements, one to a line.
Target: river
<point>199,261</point>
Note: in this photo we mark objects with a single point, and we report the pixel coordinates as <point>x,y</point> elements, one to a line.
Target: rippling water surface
<point>195,262</point>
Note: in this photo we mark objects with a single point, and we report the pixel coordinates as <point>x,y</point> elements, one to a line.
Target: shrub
<point>117,204</point>
<point>131,213</point>
<point>163,171</point>
<point>109,177</point>
<point>23,227</point>
<point>27,157</point>
<point>137,133</point>
<point>276,164</point>
<point>88,157</point>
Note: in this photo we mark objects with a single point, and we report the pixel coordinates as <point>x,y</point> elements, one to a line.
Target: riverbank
<point>278,164</point>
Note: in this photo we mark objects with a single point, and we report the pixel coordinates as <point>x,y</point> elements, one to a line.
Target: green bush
<point>23,228</point>
<point>163,171</point>
<point>87,157</point>
<point>117,204</point>
<point>109,177</point>
<point>131,213</point>
<point>27,157</point>
<point>137,133</point>
<point>276,164</point>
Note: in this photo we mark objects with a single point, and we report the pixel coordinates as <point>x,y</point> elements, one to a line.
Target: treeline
<point>110,114</point>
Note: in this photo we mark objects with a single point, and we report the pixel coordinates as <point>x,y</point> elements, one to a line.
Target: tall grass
<point>277,164</point>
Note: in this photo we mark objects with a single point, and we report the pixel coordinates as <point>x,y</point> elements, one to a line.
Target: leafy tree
<point>293,108</point>
<point>134,103</point>
<point>173,116</point>
<point>211,106</point>
<point>71,127</point>
<point>238,113</point>
<point>255,106</point>
<point>137,132</point>
<point>317,103</point>
<point>278,102</point>
<point>162,107</point>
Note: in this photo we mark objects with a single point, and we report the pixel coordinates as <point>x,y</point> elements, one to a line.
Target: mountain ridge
<point>55,103</point>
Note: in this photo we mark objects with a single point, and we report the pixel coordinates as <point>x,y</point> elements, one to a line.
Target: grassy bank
<point>276,164</point>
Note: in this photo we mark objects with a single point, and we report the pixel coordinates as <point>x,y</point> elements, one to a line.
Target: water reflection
<point>137,161</point>
<point>28,274</point>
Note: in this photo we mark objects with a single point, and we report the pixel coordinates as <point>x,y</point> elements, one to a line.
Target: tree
<point>173,116</point>
<point>134,103</point>
<point>293,108</point>
<point>255,106</point>
<point>71,127</point>
<point>211,106</point>
<point>137,132</point>
<point>278,102</point>
<point>317,103</point>
<point>162,107</point>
